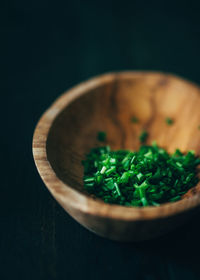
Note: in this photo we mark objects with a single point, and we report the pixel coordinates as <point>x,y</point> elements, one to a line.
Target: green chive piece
<point>169,121</point>
<point>110,185</point>
<point>143,136</point>
<point>175,198</point>
<point>89,179</point>
<point>144,201</point>
<point>155,203</point>
<point>134,119</point>
<point>111,170</point>
<point>117,189</point>
<point>103,170</point>
<point>101,136</point>
<point>139,176</point>
<point>125,177</point>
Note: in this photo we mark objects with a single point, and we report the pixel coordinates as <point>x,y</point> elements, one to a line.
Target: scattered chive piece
<point>134,120</point>
<point>101,136</point>
<point>117,189</point>
<point>147,177</point>
<point>199,127</point>
<point>169,121</point>
<point>143,136</point>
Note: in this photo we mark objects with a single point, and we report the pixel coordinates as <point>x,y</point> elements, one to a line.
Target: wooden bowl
<point>68,129</point>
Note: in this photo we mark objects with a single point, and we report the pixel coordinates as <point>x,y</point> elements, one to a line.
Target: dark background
<point>45,48</point>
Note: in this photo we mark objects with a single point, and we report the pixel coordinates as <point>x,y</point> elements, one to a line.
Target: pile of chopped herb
<point>149,176</point>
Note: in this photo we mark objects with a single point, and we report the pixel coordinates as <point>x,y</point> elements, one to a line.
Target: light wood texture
<point>68,130</point>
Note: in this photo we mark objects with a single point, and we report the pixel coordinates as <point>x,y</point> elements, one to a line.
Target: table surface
<point>45,49</point>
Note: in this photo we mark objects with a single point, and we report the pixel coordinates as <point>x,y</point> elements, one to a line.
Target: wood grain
<point>68,130</point>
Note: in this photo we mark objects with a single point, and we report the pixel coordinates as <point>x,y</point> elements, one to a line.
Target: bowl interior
<point>109,106</point>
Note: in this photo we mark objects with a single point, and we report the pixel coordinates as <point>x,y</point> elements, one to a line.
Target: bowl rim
<point>70,198</point>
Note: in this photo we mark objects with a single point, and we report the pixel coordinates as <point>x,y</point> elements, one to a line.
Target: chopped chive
<point>140,176</point>
<point>125,176</point>
<point>113,160</point>
<point>110,185</point>
<point>90,179</point>
<point>101,136</point>
<point>175,198</point>
<point>178,164</point>
<point>111,170</point>
<point>134,119</point>
<point>199,127</point>
<point>144,201</point>
<point>143,136</point>
<point>133,158</point>
<point>89,185</point>
<point>99,179</point>
<point>147,177</point>
<point>103,170</point>
<point>169,121</point>
<point>155,203</point>
<point>117,189</point>
<point>144,185</point>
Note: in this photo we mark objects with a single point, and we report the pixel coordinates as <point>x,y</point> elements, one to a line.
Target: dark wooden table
<point>45,49</point>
